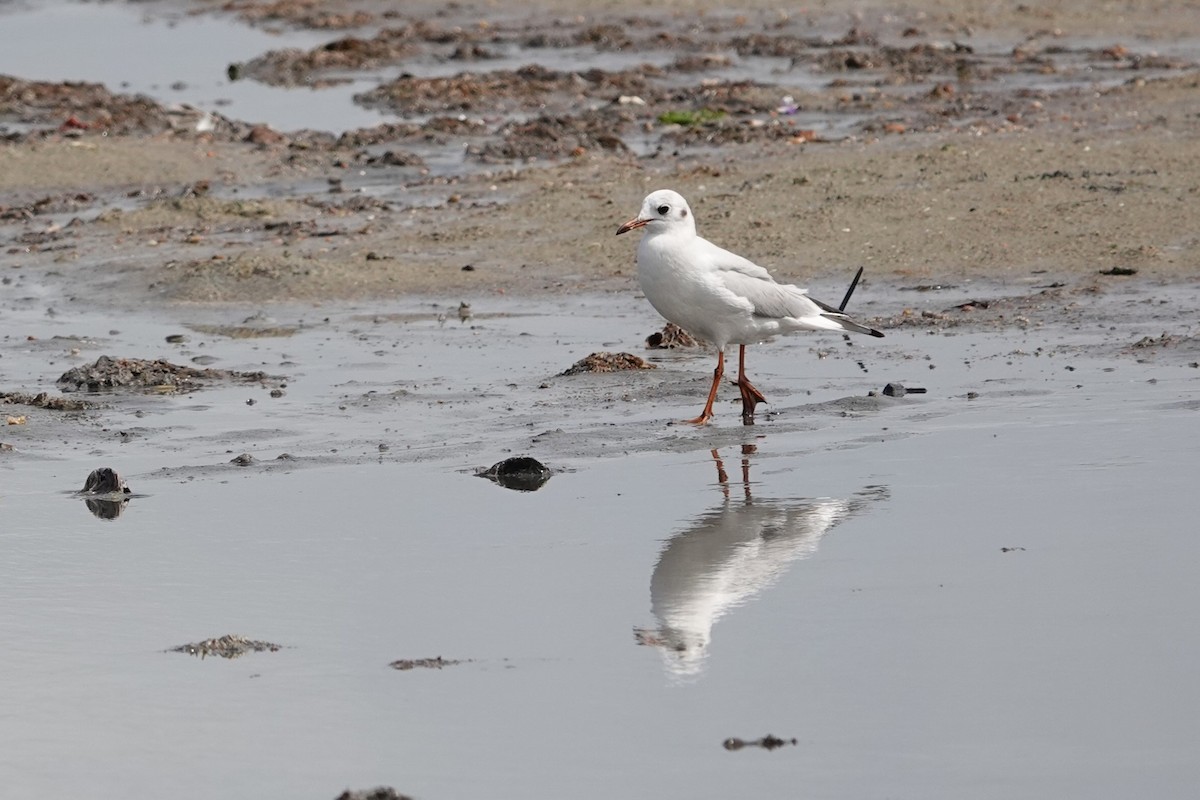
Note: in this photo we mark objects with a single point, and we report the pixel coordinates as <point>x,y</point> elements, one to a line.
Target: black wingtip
<point>878,334</point>
<point>850,291</point>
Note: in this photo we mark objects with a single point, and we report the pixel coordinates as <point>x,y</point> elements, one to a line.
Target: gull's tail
<point>845,323</point>
<point>837,315</point>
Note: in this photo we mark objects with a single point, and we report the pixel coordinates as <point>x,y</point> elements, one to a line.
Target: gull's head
<point>663,210</point>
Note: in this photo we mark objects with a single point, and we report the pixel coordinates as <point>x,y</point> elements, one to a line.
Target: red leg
<point>706,414</point>
<point>751,396</point>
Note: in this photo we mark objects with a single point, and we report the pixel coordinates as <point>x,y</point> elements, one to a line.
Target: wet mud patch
<point>247,274</point>
<point>502,90</point>
<point>732,131</point>
<point>391,46</point>
<point>1053,304</point>
<point>229,646</point>
<point>879,78</point>
<point>375,399</point>
<point>300,13</point>
<point>44,400</point>
<point>671,337</point>
<point>295,67</point>
<point>853,406</point>
<point>1163,340</point>
<point>134,374</point>
<point>203,213</point>
<point>587,118</point>
<point>557,137</point>
<point>75,109</point>
<point>66,203</point>
<point>604,362</point>
<point>1166,347</point>
<point>260,465</point>
<point>246,331</point>
<point>437,130</point>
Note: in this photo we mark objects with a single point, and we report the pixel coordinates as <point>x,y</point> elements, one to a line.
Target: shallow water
<point>153,49</point>
<point>934,596</point>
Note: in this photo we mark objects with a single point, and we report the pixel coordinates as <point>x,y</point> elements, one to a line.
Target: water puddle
<point>909,593</point>
<point>159,51</point>
<point>930,575</point>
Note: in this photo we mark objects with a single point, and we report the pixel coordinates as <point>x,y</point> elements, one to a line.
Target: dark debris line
<point>405,664</point>
<point>228,646</point>
<point>378,793</point>
<point>768,742</point>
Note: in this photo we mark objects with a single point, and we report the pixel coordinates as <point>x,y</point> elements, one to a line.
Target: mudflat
<point>927,141</point>
<point>279,306</point>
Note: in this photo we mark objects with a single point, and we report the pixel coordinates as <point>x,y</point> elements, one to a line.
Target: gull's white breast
<point>686,288</point>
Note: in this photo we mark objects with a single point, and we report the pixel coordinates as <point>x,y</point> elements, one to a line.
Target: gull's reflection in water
<point>728,556</point>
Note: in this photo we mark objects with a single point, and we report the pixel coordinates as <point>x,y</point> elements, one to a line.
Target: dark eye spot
<point>683,212</point>
<point>662,210</point>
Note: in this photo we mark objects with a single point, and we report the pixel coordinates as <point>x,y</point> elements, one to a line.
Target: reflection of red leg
<point>722,476</point>
<point>747,451</point>
<point>751,397</point>
<point>706,414</point>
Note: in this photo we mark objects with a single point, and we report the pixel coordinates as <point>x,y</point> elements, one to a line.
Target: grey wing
<point>770,299</point>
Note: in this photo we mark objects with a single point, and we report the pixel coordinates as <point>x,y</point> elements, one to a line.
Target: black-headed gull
<point>718,295</point>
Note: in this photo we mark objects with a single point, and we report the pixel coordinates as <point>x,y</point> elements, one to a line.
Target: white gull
<point>718,295</point>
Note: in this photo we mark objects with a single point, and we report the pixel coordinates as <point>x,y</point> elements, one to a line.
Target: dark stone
<point>104,481</point>
<point>898,390</point>
<point>522,473</point>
